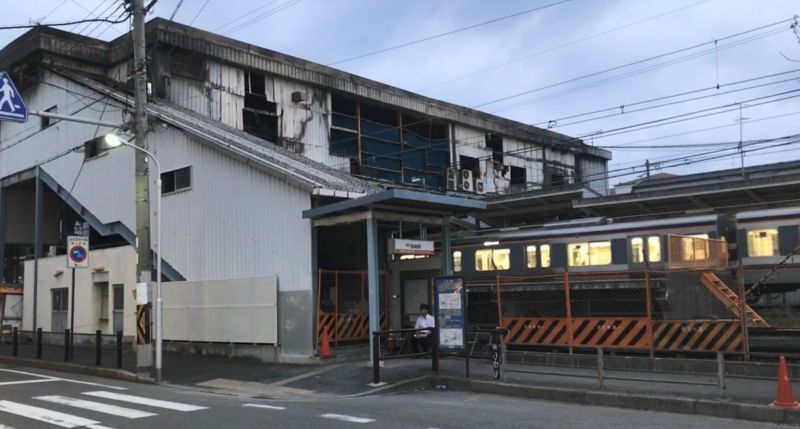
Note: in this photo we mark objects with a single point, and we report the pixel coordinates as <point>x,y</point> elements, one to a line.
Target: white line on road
<point>38,380</point>
<point>96,406</point>
<point>45,415</point>
<point>345,418</point>
<point>68,380</point>
<point>145,401</point>
<point>269,407</point>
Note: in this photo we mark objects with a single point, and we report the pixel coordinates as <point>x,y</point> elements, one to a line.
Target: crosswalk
<point>113,406</point>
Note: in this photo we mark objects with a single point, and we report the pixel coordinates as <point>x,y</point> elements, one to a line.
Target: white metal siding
<point>235,221</point>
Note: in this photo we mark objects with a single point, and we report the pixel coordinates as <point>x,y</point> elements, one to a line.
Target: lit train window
<point>637,250</point>
<point>530,251</point>
<point>492,259</point>
<point>585,254</point>
<point>762,242</point>
<point>693,249</point>
<point>654,249</point>
<point>544,255</point>
<point>457,261</point>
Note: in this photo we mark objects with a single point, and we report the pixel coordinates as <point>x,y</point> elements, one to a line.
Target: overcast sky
<point>531,51</point>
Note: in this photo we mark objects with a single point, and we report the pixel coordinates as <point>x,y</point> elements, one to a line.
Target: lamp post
<point>113,140</point>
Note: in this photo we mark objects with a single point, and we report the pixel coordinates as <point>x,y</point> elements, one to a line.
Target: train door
<point>415,289</point>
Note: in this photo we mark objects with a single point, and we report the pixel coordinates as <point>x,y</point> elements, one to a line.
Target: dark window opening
<point>519,180</point>
<point>176,180</point>
<point>46,122</point>
<point>344,143</point>
<point>187,64</point>
<point>378,114</point>
<point>259,116</point>
<point>494,142</point>
<point>470,163</point>
<point>345,112</point>
<point>558,179</point>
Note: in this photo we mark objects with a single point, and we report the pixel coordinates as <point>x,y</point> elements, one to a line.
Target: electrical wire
<point>202,8</point>
<point>62,24</point>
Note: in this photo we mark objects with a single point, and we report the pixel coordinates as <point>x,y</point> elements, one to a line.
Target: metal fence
<point>633,310</point>
<point>101,350</point>
<point>342,305</point>
<point>696,252</point>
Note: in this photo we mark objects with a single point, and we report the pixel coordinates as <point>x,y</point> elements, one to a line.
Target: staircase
<point>731,301</point>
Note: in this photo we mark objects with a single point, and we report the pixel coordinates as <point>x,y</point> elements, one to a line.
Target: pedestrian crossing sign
<point>12,107</point>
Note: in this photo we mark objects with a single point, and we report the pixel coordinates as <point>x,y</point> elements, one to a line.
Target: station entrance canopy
<point>394,205</point>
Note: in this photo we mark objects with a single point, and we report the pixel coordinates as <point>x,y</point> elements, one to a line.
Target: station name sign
<point>400,246</point>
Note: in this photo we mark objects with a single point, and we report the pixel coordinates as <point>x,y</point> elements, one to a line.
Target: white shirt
<point>426,321</point>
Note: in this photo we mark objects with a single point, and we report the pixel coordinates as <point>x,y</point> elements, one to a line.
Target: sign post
<point>77,257</point>
<point>450,313</point>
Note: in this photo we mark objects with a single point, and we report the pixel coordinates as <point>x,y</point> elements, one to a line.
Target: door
<point>60,303</point>
<point>415,292</point>
<point>119,305</point>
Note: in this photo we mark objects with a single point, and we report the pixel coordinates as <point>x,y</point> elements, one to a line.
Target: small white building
<point>247,139</point>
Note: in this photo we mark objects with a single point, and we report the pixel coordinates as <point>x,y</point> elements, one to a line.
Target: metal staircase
<point>731,301</point>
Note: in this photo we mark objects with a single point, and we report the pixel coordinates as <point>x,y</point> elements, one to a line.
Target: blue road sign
<point>12,107</point>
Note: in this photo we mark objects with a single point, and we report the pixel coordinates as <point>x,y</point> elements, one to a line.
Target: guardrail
<point>376,350</point>
<point>66,341</point>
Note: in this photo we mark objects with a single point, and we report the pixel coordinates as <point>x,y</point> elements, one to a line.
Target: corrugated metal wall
<point>235,221</point>
<point>595,173</point>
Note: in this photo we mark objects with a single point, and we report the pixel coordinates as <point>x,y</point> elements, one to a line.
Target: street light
<point>113,140</point>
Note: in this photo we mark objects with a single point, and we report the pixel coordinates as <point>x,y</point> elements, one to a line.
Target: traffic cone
<point>325,345</point>
<point>785,396</point>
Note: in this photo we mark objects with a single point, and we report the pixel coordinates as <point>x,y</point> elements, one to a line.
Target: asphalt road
<point>43,399</point>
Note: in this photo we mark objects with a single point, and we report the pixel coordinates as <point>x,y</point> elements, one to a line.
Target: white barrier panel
<point>229,311</point>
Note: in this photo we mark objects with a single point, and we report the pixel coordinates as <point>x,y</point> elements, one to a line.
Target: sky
<point>569,58</point>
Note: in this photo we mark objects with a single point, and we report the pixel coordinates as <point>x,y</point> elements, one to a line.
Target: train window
<point>585,254</point>
<point>637,250</point>
<point>654,249</point>
<point>530,251</point>
<point>544,255</point>
<point>695,247</point>
<point>457,261</point>
<point>492,259</point>
<point>762,242</point>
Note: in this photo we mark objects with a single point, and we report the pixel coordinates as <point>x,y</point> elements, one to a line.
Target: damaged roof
<point>95,56</point>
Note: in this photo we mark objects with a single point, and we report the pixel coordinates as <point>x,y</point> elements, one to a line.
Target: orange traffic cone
<point>325,345</point>
<point>785,396</point>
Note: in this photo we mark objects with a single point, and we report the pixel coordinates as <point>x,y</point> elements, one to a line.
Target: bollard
<point>119,349</point>
<point>66,345</point>
<point>376,358</point>
<point>600,373</point>
<point>38,343</point>
<point>15,339</point>
<point>503,350</point>
<point>435,351</point>
<point>721,372</point>
<point>98,340</point>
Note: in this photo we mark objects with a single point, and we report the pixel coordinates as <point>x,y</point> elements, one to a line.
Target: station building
<point>271,167</point>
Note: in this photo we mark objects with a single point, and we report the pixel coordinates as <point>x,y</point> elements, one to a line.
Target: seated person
<point>421,339</point>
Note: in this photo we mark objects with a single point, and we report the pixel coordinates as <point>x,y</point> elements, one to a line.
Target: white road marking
<point>38,380</point>
<point>177,406</point>
<point>96,406</point>
<point>345,418</point>
<point>45,415</point>
<point>68,380</point>
<point>269,407</point>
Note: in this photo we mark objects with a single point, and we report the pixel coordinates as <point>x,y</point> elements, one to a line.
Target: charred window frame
<point>95,147</point>
<point>494,141</point>
<point>46,122</point>
<point>176,180</point>
<point>259,115</point>
<point>519,179</point>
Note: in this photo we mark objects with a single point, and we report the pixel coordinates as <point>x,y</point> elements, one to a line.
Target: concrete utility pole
<point>144,264</point>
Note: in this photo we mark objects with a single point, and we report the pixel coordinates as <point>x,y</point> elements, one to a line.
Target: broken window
<point>259,116</point>
<point>494,142</point>
<point>519,181</point>
<point>344,127</point>
<point>557,179</point>
<point>470,163</point>
<point>187,64</point>
<point>176,180</point>
<point>46,122</point>
<point>95,147</point>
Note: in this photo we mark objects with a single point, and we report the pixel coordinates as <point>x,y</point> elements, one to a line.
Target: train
<point>516,278</point>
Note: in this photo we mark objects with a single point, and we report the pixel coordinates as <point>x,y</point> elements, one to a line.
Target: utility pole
<point>144,263</point>
<point>647,166</point>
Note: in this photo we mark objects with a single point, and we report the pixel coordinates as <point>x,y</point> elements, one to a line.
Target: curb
<point>73,368</point>
<point>703,407</point>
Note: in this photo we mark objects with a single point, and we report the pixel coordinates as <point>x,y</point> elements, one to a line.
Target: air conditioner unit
<point>466,181</point>
<point>479,188</point>
<point>299,97</point>
<point>452,179</point>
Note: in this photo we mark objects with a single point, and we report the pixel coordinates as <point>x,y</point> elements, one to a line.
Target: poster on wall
<point>450,312</point>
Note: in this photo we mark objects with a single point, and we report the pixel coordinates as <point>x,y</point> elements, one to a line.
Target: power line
<point>202,8</point>
<point>447,33</point>
<point>263,16</point>
<point>175,11</point>
<point>641,61</point>
<point>246,15</point>
<point>63,24</point>
<point>563,45</point>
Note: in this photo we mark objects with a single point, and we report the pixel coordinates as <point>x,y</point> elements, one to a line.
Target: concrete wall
<point>115,265</point>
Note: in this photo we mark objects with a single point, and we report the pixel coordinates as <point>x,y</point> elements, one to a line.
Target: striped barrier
<point>348,326</point>
<point>625,333</point>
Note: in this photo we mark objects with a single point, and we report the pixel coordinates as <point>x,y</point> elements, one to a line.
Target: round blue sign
<point>78,254</point>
